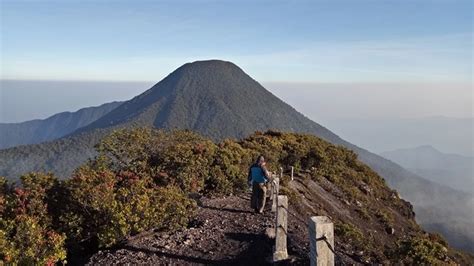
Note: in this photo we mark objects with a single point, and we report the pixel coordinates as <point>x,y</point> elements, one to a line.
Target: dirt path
<point>225,231</point>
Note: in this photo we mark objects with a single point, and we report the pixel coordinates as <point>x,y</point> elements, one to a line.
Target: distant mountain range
<point>51,128</point>
<point>451,170</point>
<point>219,100</point>
<point>452,135</point>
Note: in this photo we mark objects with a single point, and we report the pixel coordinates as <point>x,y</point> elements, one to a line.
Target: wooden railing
<point>320,228</point>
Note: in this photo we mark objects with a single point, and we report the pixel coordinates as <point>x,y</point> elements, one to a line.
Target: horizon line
<point>266,82</point>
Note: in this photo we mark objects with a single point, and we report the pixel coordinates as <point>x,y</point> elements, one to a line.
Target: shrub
<point>180,158</point>
<point>185,157</point>
<point>127,150</point>
<point>104,207</point>
<point>26,233</point>
<point>229,170</point>
<point>290,193</point>
<point>349,233</point>
<point>419,250</point>
<point>385,218</point>
<point>363,213</point>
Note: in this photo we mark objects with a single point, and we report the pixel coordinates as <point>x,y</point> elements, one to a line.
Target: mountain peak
<point>210,62</point>
<point>423,149</point>
<point>427,148</point>
<point>213,97</point>
<point>208,67</point>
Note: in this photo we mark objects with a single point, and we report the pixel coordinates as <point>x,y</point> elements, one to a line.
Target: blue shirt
<point>257,174</point>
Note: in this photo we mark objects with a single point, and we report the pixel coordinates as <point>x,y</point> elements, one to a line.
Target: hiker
<point>258,176</point>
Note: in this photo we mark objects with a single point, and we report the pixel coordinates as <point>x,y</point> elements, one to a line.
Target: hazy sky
<point>328,58</point>
<point>310,41</point>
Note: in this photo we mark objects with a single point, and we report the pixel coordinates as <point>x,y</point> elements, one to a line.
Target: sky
<point>358,58</point>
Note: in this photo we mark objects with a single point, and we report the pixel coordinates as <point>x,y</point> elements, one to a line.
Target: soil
<point>225,231</point>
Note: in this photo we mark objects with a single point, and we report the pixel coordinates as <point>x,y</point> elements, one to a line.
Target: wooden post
<point>292,170</point>
<point>280,252</point>
<point>276,189</point>
<point>321,241</point>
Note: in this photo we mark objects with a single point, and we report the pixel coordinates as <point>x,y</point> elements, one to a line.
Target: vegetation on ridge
<point>144,179</point>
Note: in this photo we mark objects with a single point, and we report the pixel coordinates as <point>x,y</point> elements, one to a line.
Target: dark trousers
<point>259,191</point>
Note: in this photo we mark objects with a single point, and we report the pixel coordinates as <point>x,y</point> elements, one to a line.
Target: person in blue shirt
<point>257,177</point>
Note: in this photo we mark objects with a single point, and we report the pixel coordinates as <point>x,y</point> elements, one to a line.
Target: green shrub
<point>229,169</point>
<point>350,234</point>
<point>363,213</point>
<point>26,233</point>
<point>127,150</point>
<point>419,250</point>
<point>104,207</point>
<point>180,158</point>
<point>385,218</point>
<point>290,193</point>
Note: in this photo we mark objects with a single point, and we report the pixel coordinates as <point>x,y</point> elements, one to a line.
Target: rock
<point>390,230</point>
<point>365,188</point>
<point>270,233</point>
<point>395,195</point>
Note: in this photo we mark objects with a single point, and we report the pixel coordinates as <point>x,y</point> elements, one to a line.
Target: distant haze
<point>381,116</point>
<point>328,101</point>
<point>448,169</point>
<point>22,100</point>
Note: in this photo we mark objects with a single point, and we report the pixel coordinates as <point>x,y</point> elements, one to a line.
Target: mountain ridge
<point>449,169</point>
<point>51,128</point>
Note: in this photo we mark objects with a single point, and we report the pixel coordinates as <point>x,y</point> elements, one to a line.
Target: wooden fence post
<point>321,241</point>
<point>280,252</point>
<point>276,189</point>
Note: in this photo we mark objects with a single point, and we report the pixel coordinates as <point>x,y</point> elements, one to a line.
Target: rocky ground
<point>225,231</point>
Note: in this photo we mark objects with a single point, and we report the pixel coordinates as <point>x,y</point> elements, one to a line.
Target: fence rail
<point>320,228</point>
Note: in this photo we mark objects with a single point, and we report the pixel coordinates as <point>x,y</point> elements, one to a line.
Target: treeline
<point>143,179</point>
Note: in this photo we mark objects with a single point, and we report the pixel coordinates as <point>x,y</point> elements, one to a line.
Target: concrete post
<point>280,252</point>
<point>292,170</point>
<point>270,190</point>
<point>321,229</point>
<point>281,172</point>
<point>276,189</point>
